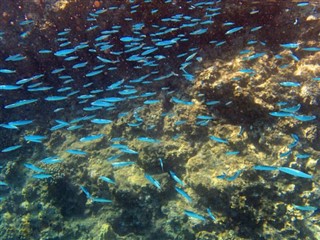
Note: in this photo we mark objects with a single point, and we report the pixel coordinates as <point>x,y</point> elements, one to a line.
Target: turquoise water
<point>159,119</point>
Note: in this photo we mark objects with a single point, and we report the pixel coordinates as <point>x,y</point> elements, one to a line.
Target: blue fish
<point>91,138</point>
<point>179,101</point>
<point>11,148</point>
<point>304,118</point>
<point>86,192</point>
<point>234,176</point>
<point>302,156</point>
<point>194,215</point>
<point>3,183</point>
<point>152,181</point>
<point>33,167</point>
<point>291,109</point>
<point>106,179</point>
<point>176,178</point>
<point>211,214</point>
<point>290,84</point>
<point>128,150</point>
<point>305,208</point>
<point>101,121</point>
<point>184,194</point>
<point>7,71</point>
<point>219,140</point>
<point>64,52</point>
<point>199,31</point>
<point>51,160</point>
<point>20,103</point>
<point>122,164</point>
<point>76,152</point>
<point>311,49</point>
<point>9,87</point>
<point>264,168</point>
<point>281,114</point>
<point>149,140</point>
<point>294,172</point>
<point>233,30</point>
<point>149,102</point>
<point>42,176</point>
<point>34,138</point>
<point>55,98</point>
<point>94,73</point>
<point>101,200</point>
<point>113,99</point>
<point>290,45</point>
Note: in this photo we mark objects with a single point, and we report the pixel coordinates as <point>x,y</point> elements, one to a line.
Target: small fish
<point>175,177</point>
<point>101,121</point>
<point>79,65</point>
<point>20,103</point>
<point>128,150</point>
<point>106,179</point>
<point>7,71</point>
<point>101,200</point>
<point>76,152</point>
<point>304,118</point>
<point>305,208</point>
<point>230,153</point>
<point>161,163</point>
<point>233,30</point>
<point>91,138</point>
<point>113,99</point>
<point>194,215</point>
<point>291,109</point>
<point>255,29</point>
<point>64,52</point>
<point>114,157</point>
<point>128,91</point>
<point>290,84</point>
<point>219,140</point>
<point>33,167</point>
<point>311,49</point>
<point>149,102</point>
<point>93,73</point>
<point>302,156</point>
<point>234,176</point>
<point>152,181</point>
<point>211,103</point>
<point>211,214</point>
<point>51,160</point>
<point>34,138</point>
<point>55,98</point>
<point>86,192</point>
<point>148,140</point>
<point>183,194</point>
<point>281,114</point>
<point>3,183</point>
<point>285,154</point>
<point>179,101</point>
<point>122,164</point>
<point>264,168</point>
<point>41,176</point>
<point>12,148</point>
<point>247,70</point>
<point>9,87</point>
<point>290,45</point>
<point>199,31</point>
<point>294,172</point>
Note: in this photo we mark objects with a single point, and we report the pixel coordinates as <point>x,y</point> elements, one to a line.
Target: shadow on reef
<point>66,197</point>
<point>253,209</point>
